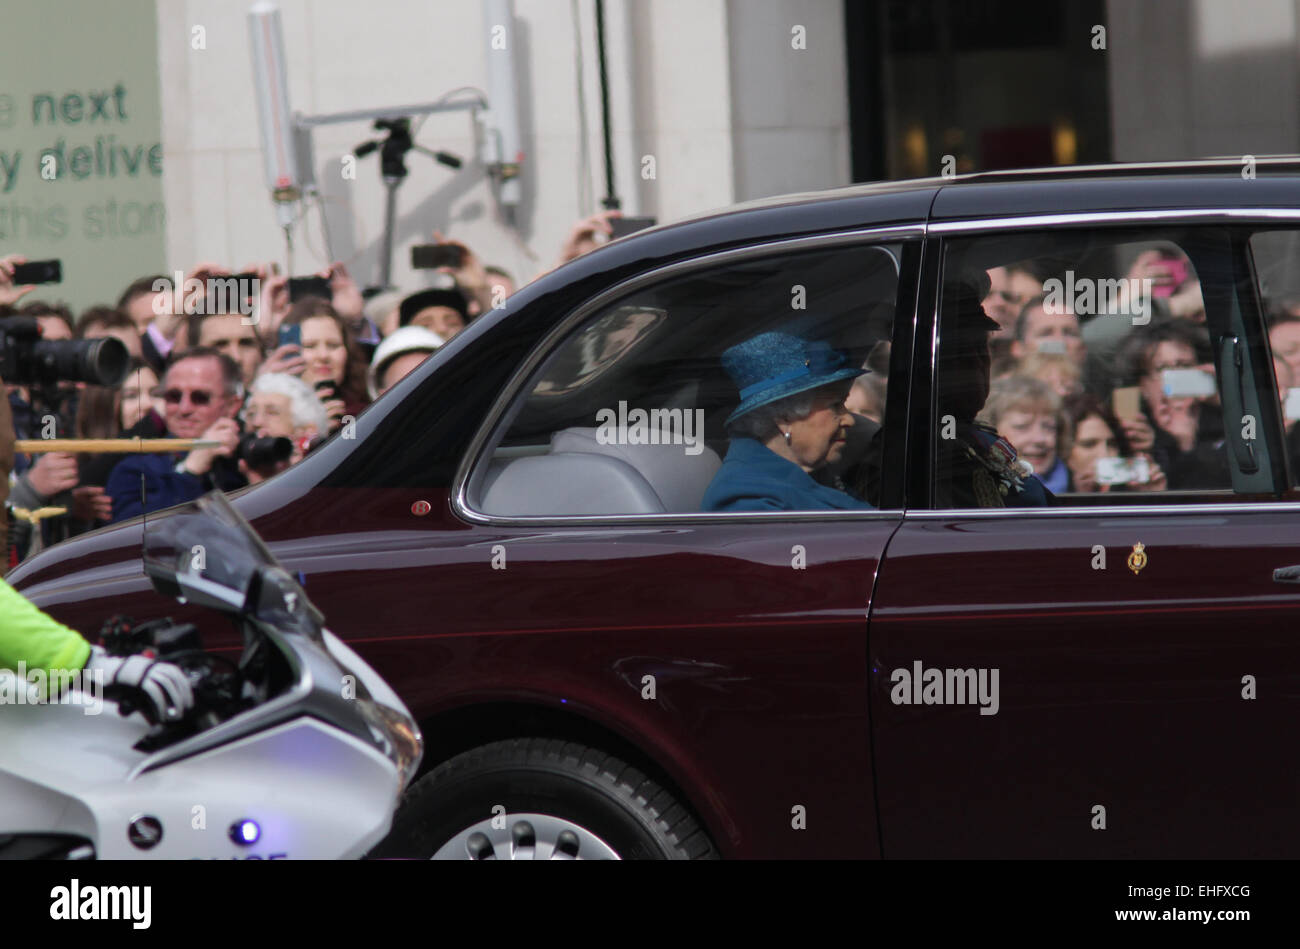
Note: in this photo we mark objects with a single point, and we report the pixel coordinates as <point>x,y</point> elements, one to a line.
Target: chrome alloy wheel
<point>525,837</point>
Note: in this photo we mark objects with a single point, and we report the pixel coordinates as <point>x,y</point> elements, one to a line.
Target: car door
<point>1134,663</point>
<point>728,647</point>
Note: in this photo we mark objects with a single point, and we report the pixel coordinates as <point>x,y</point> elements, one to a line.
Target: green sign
<point>80,143</point>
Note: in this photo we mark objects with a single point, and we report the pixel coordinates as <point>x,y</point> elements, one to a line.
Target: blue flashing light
<point>245,832</point>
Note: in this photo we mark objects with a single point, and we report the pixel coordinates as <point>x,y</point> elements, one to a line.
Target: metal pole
<point>390,222</point>
<point>610,201</point>
<point>362,115</point>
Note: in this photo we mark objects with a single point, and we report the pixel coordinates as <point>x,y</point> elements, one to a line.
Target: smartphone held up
<point>302,288</point>
<point>38,271</point>
<point>433,256</point>
<point>1123,471</point>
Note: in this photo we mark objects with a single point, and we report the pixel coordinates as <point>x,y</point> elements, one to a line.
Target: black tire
<point>634,815</point>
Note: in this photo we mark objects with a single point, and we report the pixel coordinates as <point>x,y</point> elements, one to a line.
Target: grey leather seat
<point>582,476</point>
<point>564,483</point>
<point>678,479</point>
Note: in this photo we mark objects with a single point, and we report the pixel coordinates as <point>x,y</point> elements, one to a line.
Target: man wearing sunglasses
<point>201,395</point>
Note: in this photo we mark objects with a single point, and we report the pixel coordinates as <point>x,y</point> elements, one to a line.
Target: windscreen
<point>209,541</point>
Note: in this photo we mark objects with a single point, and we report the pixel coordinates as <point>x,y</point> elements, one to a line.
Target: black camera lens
<point>26,359</point>
<point>262,454</point>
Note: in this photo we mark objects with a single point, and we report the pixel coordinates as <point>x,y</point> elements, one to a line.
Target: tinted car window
<point>1092,371</point>
<point>1276,257</point>
<point>635,409</point>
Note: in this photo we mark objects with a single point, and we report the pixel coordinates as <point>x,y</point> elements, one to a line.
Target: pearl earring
<point>787,437</point>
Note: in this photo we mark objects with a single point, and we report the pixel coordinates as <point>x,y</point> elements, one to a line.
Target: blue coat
<point>163,484</point>
<point>755,478</point>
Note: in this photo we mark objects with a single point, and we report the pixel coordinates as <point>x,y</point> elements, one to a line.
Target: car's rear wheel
<point>542,798</point>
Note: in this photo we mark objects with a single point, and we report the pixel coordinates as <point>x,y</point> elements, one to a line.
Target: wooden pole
<point>112,446</point>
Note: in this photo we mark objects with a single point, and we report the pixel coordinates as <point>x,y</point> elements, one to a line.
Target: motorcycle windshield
<point>207,547</point>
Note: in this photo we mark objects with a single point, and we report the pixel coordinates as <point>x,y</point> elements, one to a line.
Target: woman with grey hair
<point>283,406</point>
<point>791,421</point>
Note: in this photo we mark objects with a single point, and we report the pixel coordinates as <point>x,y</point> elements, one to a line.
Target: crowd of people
<point>1089,400</point>
<point>258,382</point>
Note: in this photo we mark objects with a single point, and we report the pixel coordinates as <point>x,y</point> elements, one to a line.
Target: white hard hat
<point>408,339</point>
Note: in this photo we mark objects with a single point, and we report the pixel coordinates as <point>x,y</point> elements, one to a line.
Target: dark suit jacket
<point>162,485</point>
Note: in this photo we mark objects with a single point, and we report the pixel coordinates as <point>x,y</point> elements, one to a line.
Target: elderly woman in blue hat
<point>791,421</point>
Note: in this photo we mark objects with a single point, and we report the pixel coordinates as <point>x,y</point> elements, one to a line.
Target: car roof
<point>1208,182</point>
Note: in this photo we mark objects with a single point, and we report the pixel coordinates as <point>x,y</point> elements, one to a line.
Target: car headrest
<point>569,483</point>
<point>678,478</point>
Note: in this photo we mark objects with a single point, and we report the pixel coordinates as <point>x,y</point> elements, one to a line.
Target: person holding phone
<point>1100,454</point>
<point>1172,280</point>
<point>328,358</point>
<point>467,269</point>
<point>10,292</point>
<point>1042,327</point>
<point>1177,422</point>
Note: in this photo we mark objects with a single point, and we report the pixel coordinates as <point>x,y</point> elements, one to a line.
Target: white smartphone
<point>1187,383</point>
<point>1123,470</point>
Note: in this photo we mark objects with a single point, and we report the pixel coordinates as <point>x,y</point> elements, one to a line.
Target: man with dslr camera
<point>42,365</point>
<point>201,393</point>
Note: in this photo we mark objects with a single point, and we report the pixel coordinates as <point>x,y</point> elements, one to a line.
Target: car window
<point>1089,367</point>
<point>1276,257</point>
<point>753,385</point>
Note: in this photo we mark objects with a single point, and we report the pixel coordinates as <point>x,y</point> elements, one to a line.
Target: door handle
<point>1287,574</point>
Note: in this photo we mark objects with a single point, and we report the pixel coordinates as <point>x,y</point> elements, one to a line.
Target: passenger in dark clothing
<point>975,466</point>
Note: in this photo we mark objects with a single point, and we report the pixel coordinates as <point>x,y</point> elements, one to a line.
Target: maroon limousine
<point>1074,640</point>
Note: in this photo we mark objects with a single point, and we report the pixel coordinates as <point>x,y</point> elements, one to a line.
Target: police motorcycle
<point>297,749</point>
